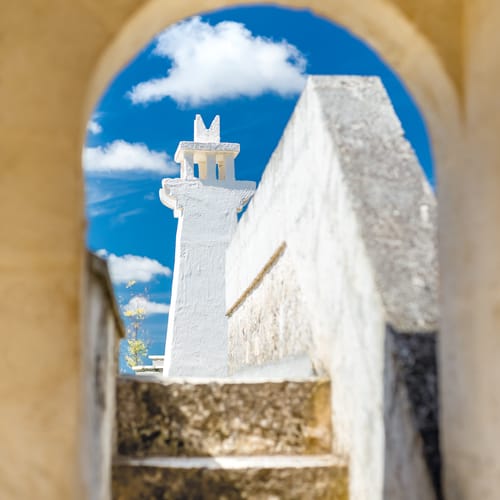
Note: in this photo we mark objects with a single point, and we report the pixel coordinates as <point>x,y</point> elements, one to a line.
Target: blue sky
<point>249,70</point>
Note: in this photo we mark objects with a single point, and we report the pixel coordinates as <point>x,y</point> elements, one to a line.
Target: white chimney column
<point>206,207</point>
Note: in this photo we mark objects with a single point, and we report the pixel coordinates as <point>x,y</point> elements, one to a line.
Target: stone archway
<point>56,58</point>
<point>392,33</point>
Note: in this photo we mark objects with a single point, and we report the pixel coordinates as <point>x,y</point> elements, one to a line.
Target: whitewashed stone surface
<point>344,191</point>
<point>207,207</point>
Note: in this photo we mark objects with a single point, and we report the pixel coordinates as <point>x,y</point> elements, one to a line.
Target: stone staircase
<point>225,440</point>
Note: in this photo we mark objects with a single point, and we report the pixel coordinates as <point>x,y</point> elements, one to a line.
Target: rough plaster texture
<point>188,418</point>
<point>359,224</point>
<point>196,343</point>
<point>273,324</point>
<point>262,478</point>
<point>102,332</point>
<point>441,49</point>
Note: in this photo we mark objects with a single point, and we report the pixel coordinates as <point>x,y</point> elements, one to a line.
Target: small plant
<point>137,348</point>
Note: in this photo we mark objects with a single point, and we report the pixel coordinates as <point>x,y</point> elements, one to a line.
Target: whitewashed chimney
<point>206,202</point>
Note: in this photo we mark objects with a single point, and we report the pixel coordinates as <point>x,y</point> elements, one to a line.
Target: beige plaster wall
<point>57,56</point>
<point>470,262</point>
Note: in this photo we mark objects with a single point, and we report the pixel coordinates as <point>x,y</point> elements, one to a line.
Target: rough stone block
<point>231,478</point>
<point>186,418</point>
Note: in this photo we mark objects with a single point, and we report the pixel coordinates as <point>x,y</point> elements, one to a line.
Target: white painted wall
<point>196,343</point>
<point>274,323</point>
<point>345,194</point>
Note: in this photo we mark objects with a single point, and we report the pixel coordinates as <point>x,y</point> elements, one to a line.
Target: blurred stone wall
<point>103,330</point>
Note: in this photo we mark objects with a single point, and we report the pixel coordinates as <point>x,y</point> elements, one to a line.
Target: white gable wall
<point>342,296</point>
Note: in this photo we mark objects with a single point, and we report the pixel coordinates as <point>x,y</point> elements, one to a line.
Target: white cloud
<point>98,201</point>
<point>112,195</point>
<point>123,216</point>
<point>94,127</point>
<point>142,303</point>
<point>222,61</point>
<point>121,156</point>
<point>133,267</point>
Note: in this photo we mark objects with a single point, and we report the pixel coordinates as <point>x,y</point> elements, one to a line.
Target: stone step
<point>164,417</point>
<point>321,477</point>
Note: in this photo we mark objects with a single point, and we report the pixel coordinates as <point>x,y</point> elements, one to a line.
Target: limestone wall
<point>336,253</point>
<point>103,329</point>
<point>274,323</point>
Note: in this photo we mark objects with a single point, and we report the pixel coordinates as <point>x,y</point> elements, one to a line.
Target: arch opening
<point>436,112</point>
<point>151,129</point>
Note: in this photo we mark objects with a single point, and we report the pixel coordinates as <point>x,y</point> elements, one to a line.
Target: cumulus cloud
<point>224,61</point>
<point>94,127</point>
<point>121,156</point>
<point>129,268</point>
<point>139,303</point>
